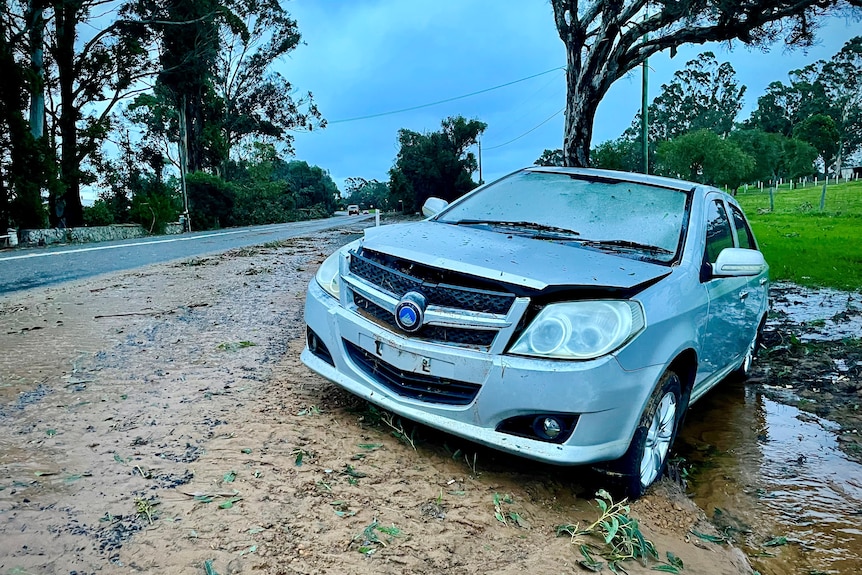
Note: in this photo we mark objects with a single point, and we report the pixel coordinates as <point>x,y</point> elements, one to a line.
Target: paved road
<point>27,268</point>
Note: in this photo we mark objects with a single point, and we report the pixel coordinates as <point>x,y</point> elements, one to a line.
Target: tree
<point>842,82</point>
<point>102,70</point>
<point>621,154</point>
<point>819,131</point>
<point>703,95</point>
<point>775,156</point>
<point>606,39</point>
<point>703,156</point>
<point>550,158</point>
<point>436,163</point>
<point>257,101</point>
<point>368,193</point>
<point>24,158</point>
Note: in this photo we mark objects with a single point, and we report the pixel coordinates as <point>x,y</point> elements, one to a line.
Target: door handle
<point>763,281</point>
<point>743,294</point>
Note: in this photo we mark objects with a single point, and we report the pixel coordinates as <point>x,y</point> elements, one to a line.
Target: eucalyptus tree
<point>606,39</point>
<point>255,99</point>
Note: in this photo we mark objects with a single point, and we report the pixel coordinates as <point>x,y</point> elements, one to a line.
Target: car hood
<point>510,258</point>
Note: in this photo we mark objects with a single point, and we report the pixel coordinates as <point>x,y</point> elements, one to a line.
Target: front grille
<point>451,335</point>
<point>398,283</point>
<point>412,385</point>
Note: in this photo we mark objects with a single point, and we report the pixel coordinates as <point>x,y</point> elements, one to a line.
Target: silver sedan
<point>565,315</point>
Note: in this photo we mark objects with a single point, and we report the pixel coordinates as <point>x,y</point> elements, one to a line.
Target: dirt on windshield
<point>160,421</point>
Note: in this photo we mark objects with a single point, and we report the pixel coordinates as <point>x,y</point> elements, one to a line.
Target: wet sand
<point>160,421</point>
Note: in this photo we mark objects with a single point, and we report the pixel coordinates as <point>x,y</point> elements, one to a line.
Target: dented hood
<point>510,258</point>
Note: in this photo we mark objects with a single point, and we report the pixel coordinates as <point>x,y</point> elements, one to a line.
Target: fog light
<point>551,428</point>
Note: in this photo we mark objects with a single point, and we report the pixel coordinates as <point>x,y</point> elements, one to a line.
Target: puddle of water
<point>766,470</point>
<point>822,314</point>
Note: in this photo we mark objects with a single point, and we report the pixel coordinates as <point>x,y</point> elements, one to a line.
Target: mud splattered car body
<point>565,315</point>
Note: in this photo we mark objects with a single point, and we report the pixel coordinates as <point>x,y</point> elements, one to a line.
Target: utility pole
<point>645,104</point>
<point>480,161</point>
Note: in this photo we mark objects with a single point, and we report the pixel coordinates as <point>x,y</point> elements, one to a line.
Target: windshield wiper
<point>626,244</point>
<point>544,231</point>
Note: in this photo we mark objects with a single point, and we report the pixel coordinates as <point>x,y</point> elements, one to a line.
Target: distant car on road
<point>352,209</point>
<point>566,315</point>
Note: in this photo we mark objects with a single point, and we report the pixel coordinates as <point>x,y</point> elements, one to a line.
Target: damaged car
<point>565,315</point>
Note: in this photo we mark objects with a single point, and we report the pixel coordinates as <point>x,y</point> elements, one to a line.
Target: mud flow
<point>774,462</point>
<point>160,421</point>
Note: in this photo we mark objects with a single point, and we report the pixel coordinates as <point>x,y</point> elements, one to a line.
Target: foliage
<point>619,534</point>
<point>605,40</point>
<point>550,158</point>
<point>211,200</point>
<point>775,156</point>
<point>435,163</point>
<point>368,194</point>
<point>822,105</point>
<point>819,130</point>
<point>99,214</point>
<point>155,205</point>
<point>620,154</point>
<point>704,157</point>
<point>704,95</point>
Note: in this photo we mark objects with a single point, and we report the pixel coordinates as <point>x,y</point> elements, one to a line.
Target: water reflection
<point>767,470</point>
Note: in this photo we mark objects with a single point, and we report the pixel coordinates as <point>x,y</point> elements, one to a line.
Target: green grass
<point>803,244</point>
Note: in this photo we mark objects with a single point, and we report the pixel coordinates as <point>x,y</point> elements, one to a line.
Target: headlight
<point>581,329</point>
<point>329,274</point>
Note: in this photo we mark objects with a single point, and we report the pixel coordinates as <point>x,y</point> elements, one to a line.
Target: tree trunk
<point>581,103</point>
<point>67,210</point>
<point>36,21</point>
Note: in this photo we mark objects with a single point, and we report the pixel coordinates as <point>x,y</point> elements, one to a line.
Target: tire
<point>645,461</point>
<point>741,373</point>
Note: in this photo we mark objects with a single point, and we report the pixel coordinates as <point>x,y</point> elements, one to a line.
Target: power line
<point>428,105</point>
<point>534,128</point>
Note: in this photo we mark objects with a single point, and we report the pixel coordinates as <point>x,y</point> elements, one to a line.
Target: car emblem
<point>410,311</point>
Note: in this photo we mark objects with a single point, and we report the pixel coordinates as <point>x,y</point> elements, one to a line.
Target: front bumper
<point>606,399</point>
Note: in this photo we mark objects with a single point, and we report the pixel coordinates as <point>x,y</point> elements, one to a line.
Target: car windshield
<point>630,218</point>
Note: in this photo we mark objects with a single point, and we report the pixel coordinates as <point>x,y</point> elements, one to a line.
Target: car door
<point>724,337</point>
<point>755,293</point>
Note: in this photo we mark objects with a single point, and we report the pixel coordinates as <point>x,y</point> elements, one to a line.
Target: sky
<point>368,57</point>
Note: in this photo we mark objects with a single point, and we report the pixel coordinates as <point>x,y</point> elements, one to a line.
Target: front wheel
<point>646,458</point>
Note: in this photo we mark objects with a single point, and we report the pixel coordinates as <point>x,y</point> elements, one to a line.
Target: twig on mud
<point>398,428</point>
<point>131,313</point>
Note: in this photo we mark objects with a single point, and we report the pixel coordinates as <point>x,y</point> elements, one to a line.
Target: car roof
<point>672,183</point>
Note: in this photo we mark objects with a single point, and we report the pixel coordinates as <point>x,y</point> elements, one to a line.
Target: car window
<point>598,211</point>
<point>718,232</point>
<point>743,232</point>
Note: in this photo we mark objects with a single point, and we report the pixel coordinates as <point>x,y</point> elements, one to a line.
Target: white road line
<point>97,248</point>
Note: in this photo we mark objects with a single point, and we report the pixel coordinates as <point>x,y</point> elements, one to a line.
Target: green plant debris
<point>619,534</point>
<point>145,508</point>
<point>708,537</point>
<point>505,516</point>
<point>776,541</point>
<point>370,446</point>
<point>246,450</point>
<point>227,504</point>
<point>351,472</point>
<point>248,550</point>
<point>229,477</point>
<point>208,568</point>
<point>256,530</point>
<point>342,509</point>
<point>370,541</point>
<point>235,345</point>
<point>299,454</point>
<point>310,410</point>
<point>50,432</point>
<point>203,498</point>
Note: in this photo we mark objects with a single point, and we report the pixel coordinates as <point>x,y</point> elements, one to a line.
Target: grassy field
<point>803,244</point>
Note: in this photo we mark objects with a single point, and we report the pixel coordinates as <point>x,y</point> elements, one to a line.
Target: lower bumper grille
<point>412,385</point>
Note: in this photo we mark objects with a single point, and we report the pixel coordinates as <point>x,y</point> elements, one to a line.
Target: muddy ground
<point>159,421</point>
<point>811,357</point>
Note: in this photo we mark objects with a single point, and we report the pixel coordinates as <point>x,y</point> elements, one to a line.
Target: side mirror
<point>738,262</point>
<point>433,206</point>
